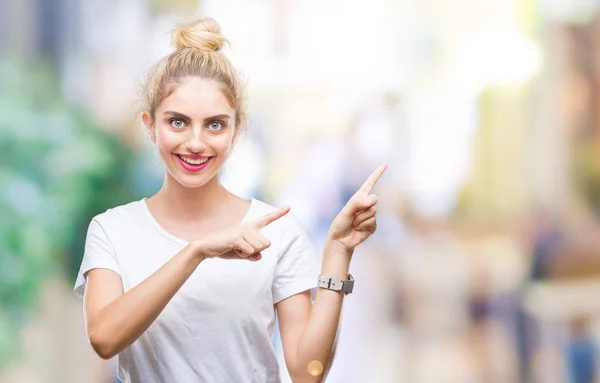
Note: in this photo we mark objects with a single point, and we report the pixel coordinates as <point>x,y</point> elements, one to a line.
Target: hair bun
<point>204,34</point>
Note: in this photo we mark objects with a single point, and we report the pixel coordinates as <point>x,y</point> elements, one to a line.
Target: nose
<point>195,142</point>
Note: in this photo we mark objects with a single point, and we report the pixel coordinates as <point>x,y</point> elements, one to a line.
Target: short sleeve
<point>297,269</point>
<point>98,254</point>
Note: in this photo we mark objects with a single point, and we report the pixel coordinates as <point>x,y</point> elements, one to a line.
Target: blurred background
<point>486,263</point>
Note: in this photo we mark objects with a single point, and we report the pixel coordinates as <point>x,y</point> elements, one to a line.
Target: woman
<point>183,286</point>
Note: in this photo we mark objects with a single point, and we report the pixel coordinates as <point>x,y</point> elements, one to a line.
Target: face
<point>193,131</point>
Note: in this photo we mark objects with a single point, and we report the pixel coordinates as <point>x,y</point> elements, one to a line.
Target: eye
<point>176,123</point>
<point>215,125</point>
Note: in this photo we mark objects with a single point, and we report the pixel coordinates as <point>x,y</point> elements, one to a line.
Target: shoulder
<point>287,230</point>
<point>120,215</point>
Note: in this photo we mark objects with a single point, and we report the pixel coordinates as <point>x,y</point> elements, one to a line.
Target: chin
<point>192,182</point>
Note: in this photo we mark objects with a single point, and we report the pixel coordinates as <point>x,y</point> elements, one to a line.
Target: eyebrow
<point>184,117</point>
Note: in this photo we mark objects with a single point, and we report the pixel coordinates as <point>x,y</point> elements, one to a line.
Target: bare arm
<point>115,320</point>
<point>308,332</point>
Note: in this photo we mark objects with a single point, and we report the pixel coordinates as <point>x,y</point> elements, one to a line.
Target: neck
<point>185,202</point>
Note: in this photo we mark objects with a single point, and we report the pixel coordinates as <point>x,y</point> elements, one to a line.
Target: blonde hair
<point>198,54</point>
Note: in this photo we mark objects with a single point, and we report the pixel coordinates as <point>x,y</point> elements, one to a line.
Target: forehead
<point>197,97</point>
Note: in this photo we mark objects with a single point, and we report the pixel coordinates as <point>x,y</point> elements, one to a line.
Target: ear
<point>149,127</point>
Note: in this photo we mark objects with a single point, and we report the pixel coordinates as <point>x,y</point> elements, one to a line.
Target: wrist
<point>198,250</point>
<point>335,248</point>
<point>336,260</point>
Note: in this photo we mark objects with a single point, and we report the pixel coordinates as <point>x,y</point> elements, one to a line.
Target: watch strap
<point>344,285</point>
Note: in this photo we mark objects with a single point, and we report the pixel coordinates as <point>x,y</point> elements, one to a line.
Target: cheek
<point>223,143</point>
<point>164,138</point>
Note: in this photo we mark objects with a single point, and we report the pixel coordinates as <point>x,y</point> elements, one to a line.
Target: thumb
<point>360,204</point>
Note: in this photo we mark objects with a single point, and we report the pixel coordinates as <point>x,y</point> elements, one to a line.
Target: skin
<point>196,120</point>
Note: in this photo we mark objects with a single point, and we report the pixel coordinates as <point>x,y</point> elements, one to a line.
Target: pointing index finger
<point>372,180</point>
<point>271,217</point>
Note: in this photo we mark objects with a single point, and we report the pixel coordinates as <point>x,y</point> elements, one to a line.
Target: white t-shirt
<point>219,326</point>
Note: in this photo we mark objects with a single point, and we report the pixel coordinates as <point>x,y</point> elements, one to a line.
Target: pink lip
<point>190,167</point>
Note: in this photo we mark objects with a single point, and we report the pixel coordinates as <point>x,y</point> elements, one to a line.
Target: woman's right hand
<point>242,242</point>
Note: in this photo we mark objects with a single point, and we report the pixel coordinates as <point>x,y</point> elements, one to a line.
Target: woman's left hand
<point>356,222</point>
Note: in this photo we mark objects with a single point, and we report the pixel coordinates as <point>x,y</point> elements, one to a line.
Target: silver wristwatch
<point>345,286</point>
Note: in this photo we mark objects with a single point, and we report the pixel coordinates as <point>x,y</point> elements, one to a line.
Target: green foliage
<point>57,170</point>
